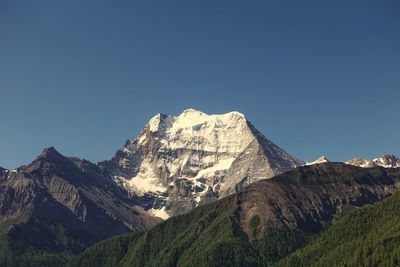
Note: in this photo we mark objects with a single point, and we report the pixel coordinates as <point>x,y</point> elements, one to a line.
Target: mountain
<point>262,224</point>
<point>56,206</point>
<point>320,160</point>
<point>360,162</point>
<point>178,163</point>
<point>386,161</point>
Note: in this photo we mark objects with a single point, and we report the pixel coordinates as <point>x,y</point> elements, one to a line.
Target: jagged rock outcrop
<point>181,162</point>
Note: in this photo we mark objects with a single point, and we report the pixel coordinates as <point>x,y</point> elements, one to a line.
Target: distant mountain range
<point>386,161</point>
<point>56,206</point>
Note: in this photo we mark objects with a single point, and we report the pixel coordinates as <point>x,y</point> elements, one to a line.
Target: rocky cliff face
<point>68,194</point>
<point>177,163</point>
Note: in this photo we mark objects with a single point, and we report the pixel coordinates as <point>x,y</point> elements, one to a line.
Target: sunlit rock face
<point>179,162</point>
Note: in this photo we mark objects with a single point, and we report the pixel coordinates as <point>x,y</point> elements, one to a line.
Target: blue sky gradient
<point>316,77</point>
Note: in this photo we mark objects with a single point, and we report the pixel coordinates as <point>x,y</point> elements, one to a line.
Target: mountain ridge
<point>386,161</point>
<point>58,204</point>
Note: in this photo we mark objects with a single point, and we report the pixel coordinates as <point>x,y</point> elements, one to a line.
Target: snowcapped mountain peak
<point>160,121</point>
<point>185,160</point>
<point>320,160</point>
<point>386,161</point>
<point>360,162</point>
<point>191,117</point>
<point>192,112</point>
<point>195,120</point>
<point>196,130</point>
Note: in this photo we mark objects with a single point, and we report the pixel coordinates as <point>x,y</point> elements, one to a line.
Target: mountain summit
<point>320,160</point>
<point>179,162</point>
<point>386,161</point>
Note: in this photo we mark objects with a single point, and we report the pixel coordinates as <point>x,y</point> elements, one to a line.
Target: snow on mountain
<point>320,160</point>
<point>386,161</point>
<point>360,162</point>
<point>198,131</point>
<point>179,162</point>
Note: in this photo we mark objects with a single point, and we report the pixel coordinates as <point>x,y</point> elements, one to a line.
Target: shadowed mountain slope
<point>61,205</point>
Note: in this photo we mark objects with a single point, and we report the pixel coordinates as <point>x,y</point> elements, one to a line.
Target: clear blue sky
<point>316,77</point>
